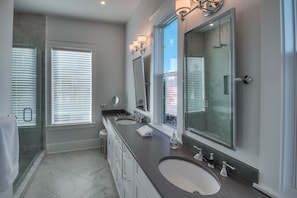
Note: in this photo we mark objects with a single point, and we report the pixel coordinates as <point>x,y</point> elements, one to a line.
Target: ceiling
<point>115,11</point>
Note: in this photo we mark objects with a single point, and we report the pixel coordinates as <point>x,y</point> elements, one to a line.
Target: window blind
<point>169,100</point>
<point>71,81</point>
<point>196,85</point>
<point>23,82</point>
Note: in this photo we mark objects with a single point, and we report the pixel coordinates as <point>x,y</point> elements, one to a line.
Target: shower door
<point>26,105</point>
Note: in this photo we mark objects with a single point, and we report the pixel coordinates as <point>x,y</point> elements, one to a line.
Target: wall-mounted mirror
<point>209,71</point>
<point>139,81</point>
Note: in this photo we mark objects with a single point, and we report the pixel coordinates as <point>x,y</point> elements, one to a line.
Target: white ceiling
<point>116,11</point>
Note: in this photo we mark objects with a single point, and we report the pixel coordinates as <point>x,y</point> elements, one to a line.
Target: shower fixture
<point>220,44</point>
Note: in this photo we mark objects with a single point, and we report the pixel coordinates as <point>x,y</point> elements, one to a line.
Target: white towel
<point>9,152</point>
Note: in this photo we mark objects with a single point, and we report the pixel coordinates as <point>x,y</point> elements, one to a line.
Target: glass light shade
<point>182,6</point>
<point>135,44</point>
<point>141,39</point>
<point>131,48</point>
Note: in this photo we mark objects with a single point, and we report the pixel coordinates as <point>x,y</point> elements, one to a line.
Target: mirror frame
<point>140,85</point>
<point>233,105</point>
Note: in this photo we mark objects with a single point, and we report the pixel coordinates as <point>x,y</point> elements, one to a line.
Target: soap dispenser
<point>173,141</point>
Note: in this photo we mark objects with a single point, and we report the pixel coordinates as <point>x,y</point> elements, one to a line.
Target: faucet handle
<point>199,155</point>
<point>198,148</point>
<point>224,172</point>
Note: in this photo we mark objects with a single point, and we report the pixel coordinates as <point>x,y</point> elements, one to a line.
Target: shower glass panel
<point>26,105</point>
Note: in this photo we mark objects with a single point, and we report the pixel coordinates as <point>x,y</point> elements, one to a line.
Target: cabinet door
<point>110,145</point>
<point>118,156</point>
<point>142,186</point>
<point>139,191</point>
<point>127,171</point>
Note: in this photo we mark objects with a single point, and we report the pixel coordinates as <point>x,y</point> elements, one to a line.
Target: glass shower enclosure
<point>27,105</point>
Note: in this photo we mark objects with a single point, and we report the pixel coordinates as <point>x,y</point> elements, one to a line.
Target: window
<point>71,86</point>
<point>169,75</point>
<point>23,81</point>
<point>195,84</point>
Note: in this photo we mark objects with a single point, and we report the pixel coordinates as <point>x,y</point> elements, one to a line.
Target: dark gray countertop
<point>148,152</point>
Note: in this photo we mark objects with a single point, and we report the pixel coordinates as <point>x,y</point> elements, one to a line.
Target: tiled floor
<point>79,174</point>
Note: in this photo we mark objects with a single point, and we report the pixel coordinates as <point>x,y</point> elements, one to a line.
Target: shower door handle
<point>24,114</point>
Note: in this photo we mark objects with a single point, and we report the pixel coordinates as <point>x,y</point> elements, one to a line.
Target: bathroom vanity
<point>134,163</point>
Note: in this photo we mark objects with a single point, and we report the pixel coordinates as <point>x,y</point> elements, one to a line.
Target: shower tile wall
<point>217,70</point>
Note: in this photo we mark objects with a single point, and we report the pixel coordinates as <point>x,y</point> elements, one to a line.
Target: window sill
<point>54,128</point>
<point>163,129</point>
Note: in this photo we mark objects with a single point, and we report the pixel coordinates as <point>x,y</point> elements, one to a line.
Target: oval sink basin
<point>126,121</point>
<point>189,177</point>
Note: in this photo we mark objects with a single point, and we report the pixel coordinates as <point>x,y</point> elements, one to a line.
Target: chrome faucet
<point>199,155</point>
<point>224,172</point>
<point>211,160</point>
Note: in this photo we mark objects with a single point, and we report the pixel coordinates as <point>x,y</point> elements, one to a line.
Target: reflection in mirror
<point>147,67</point>
<point>209,88</point>
<point>140,93</point>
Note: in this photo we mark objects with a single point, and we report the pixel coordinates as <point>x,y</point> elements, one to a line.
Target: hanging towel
<point>9,152</point>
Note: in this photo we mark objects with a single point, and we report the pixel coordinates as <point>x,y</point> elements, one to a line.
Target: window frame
<point>71,46</point>
<point>159,22</point>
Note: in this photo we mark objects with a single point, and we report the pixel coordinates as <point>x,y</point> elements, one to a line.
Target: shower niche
<point>209,85</point>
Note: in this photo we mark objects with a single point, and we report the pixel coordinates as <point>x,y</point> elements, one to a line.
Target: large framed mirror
<point>209,88</point>
<point>139,82</point>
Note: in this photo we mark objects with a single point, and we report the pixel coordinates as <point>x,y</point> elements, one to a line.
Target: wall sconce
<point>208,7</point>
<point>138,45</point>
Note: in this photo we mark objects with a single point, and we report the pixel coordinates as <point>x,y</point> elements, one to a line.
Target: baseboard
<point>265,190</point>
<point>22,189</point>
<point>72,146</point>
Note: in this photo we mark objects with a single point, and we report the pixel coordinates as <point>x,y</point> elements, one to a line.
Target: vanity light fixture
<point>102,2</point>
<point>208,7</point>
<point>138,45</point>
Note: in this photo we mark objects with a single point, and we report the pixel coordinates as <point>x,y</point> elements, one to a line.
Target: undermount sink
<point>189,177</point>
<point>125,121</point>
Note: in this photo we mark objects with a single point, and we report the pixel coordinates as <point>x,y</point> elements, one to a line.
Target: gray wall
<point>108,78</point>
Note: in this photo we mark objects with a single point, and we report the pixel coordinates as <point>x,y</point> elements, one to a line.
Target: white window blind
<point>23,83</point>
<point>169,98</point>
<point>71,81</point>
<point>196,85</point>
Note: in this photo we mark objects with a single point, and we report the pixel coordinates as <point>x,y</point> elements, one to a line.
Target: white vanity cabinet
<point>127,173</point>
<point>118,157</point>
<point>143,188</point>
<point>130,180</point>
<point>114,155</point>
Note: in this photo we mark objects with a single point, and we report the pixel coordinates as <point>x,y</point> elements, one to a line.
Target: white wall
<point>258,103</point>
<point>138,24</point>
<point>6,24</point>
<point>271,97</point>
<point>108,76</point>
